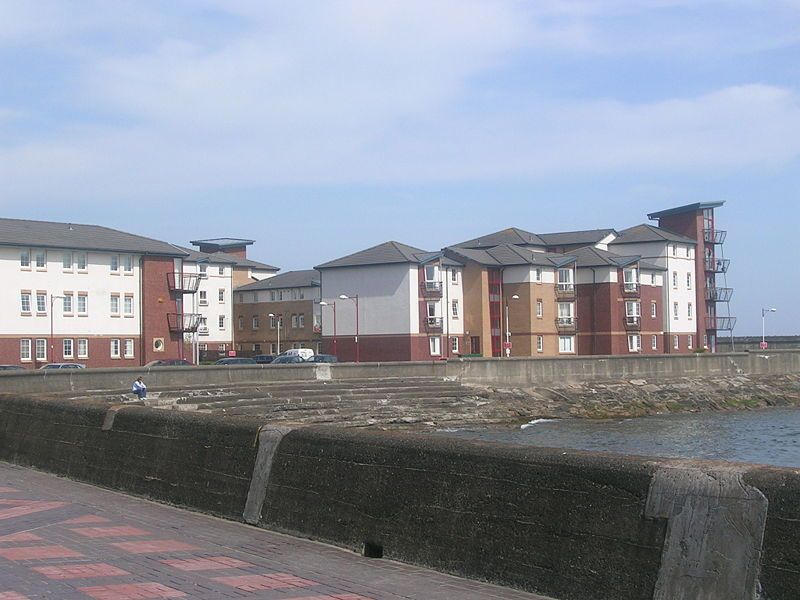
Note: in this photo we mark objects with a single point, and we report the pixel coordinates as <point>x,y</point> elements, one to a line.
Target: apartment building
<point>278,313</point>
<point>392,302</point>
<point>87,294</point>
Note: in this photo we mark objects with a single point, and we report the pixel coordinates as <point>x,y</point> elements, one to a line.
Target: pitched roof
<point>570,238</point>
<point>382,254</point>
<point>650,233</point>
<point>594,257</point>
<point>50,234</point>
<point>512,235</point>
<point>509,255</point>
<point>225,258</point>
<point>697,206</point>
<point>290,279</point>
<point>223,242</point>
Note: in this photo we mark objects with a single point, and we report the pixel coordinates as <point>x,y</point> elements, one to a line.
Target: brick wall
<point>157,301</point>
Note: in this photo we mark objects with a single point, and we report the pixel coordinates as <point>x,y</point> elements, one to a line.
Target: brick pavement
<point>62,540</point>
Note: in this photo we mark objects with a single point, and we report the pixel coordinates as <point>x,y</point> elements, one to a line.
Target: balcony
<point>202,329</point>
<point>633,323</point>
<point>717,265</point>
<point>431,288</point>
<point>566,324</point>
<point>183,323</point>
<point>719,294</point>
<point>183,283</point>
<point>433,322</point>
<point>631,289</point>
<point>720,323</point>
<point>565,291</point>
<point>714,236</point>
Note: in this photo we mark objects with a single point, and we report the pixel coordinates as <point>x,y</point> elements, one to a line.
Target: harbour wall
<point>568,524</point>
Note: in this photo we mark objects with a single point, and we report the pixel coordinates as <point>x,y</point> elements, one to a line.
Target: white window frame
<point>221,295</point>
<point>676,311</point>
<point>41,350</point>
<point>202,271</point>
<point>43,265</point>
<point>221,322</point>
<point>25,260</point>
<point>454,278</point>
<point>82,258</point>
<point>256,322</point>
<point>634,342</point>
<point>127,305</point>
<point>41,303</point>
<point>294,321</point>
<point>654,342</point>
<point>25,350</point>
<point>539,309</point>
<point>115,348</point>
<point>454,308</point>
<point>83,348</point>
<point>653,309</point>
<point>114,264</point>
<point>221,270</point>
<point>128,348</point>
<point>689,342</point>
<point>566,344</point>
<point>67,348</point>
<point>688,281</point>
<point>23,298</point>
<point>540,343</point>
<point>690,311</point>
<point>301,321</point>
<point>68,303</point>
<point>66,262</point>
<point>537,274</point>
<point>127,264</point>
<point>454,345</point>
<point>240,323</point>
<point>82,299</point>
<point>435,345</point>
<point>674,280</point>
<point>676,342</point>
<point>114,306</point>
<point>202,299</point>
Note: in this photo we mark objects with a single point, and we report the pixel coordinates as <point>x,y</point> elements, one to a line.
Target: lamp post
<point>354,298</point>
<point>280,320</point>
<point>52,349</point>
<point>332,304</point>
<point>508,330</point>
<point>764,312</point>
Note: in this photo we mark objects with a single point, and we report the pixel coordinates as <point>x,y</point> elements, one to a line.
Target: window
<point>240,323</point>
<point>301,321</point>
<point>83,348</point>
<point>115,304</point>
<point>435,345</point>
<point>202,328</point>
<point>565,279</point>
<point>634,343</point>
<point>25,302</point>
<point>273,323</point>
<point>114,348</point>
<point>301,294</point>
<point>256,322</point>
<point>294,321</point>
<point>41,349</point>
<point>540,343</point>
<point>631,279</point>
<point>454,308</point>
<point>454,279</point>
<point>41,302</point>
<point>221,295</point>
<point>203,271</point>
<point>454,345</point>
<point>127,265</point>
<point>653,310</point>
<point>203,298</point>
<point>221,270</point>
<point>83,304</point>
<point>674,280</point>
<point>537,274</point>
<point>632,308</point>
<point>654,342</point>
<point>221,322</point>
<point>689,342</point>
<point>67,303</point>
<point>539,308</point>
<point>24,349</point>
<point>281,294</point>
<point>115,269</point>
<point>257,348</point>
<point>129,348</point>
<point>25,263</point>
<point>565,313</point>
<point>688,281</point>
<point>675,310</point>
<point>241,298</point>
<point>674,249</point>
<point>272,296</point>
<point>81,260</point>
<point>67,348</point>
<point>566,343</point>
<point>294,294</point>
<point>66,261</point>
<point>689,310</point>
<point>273,348</point>
<point>676,342</point>
<point>128,305</point>
<point>41,260</point>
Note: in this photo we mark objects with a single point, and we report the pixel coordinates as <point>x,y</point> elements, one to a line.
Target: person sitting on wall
<point>139,388</point>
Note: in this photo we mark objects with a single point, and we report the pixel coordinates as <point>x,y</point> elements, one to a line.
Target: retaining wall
<point>569,524</point>
<point>518,372</point>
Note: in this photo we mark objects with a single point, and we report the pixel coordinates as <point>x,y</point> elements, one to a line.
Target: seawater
<point>768,436</point>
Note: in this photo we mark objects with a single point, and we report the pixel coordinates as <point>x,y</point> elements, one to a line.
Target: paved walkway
<point>63,540</point>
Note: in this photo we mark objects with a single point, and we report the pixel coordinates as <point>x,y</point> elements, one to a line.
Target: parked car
<point>11,368</point>
<point>263,359</point>
<point>304,353</point>
<point>235,361</point>
<point>169,362</point>
<point>287,359</point>
<point>62,366</point>
<point>323,358</point>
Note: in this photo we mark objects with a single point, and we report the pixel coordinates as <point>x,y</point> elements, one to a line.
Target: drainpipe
<point>141,311</point>
<point>447,313</point>
<point>594,299</point>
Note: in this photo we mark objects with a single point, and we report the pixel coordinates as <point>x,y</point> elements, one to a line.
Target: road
<point>64,540</point>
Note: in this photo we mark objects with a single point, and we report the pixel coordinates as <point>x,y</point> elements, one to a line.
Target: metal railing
<point>434,322</point>
<point>717,265</point>
<point>566,323</point>
<point>719,294</point>
<point>721,323</point>
<point>565,290</point>
<point>630,288</point>
<point>633,322</point>
<point>714,236</point>
<point>186,322</point>
<point>186,283</point>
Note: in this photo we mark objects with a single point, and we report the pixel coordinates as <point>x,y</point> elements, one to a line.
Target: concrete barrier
<point>516,372</point>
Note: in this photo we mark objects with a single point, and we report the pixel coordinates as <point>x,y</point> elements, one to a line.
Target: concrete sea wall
<point>569,524</point>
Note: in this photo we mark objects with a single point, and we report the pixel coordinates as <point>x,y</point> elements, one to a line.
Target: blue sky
<point>320,128</point>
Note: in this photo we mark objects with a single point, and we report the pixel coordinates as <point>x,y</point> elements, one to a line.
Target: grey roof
<point>382,254</point>
<point>508,255</point>
<point>594,257</point>
<point>223,242</point>
<point>697,206</point>
<point>650,233</point>
<point>49,234</point>
<point>290,279</point>
<point>224,258</point>
<point>512,235</point>
<point>570,238</point>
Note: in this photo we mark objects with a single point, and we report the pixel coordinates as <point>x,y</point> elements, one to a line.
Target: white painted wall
<point>527,274</point>
<point>214,308</point>
<point>453,290</point>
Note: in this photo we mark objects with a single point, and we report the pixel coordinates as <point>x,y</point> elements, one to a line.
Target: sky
<point>319,128</point>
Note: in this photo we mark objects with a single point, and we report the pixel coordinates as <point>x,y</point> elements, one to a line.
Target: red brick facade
<point>156,302</point>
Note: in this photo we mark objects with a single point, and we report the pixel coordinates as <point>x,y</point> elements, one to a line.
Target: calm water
<point>770,436</point>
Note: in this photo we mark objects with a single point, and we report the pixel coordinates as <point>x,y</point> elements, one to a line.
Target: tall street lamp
<point>52,350</point>
<point>354,298</point>
<point>508,330</point>
<point>280,320</point>
<point>332,304</point>
<point>764,312</point>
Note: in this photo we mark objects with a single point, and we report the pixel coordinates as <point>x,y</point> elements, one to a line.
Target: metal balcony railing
<point>720,323</point>
<point>202,329</point>
<point>185,283</point>
<point>719,294</point>
<point>186,322</point>
<point>566,324</point>
<point>717,265</point>
<point>434,322</point>
<point>714,236</point>
<point>431,288</point>
<point>565,290</point>
<point>630,289</point>
<point>633,322</point>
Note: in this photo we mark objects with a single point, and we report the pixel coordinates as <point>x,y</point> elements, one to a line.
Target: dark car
<point>263,359</point>
<point>11,368</point>
<point>285,359</point>
<point>63,366</point>
<point>169,362</point>
<point>235,361</point>
<point>323,358</point>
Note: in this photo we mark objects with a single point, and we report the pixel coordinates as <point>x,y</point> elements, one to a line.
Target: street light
<point>354,298</point>
<point>280,320</point>
<point>508,331</point>
<point>52,349</point>
<point>764,312</point>
<point>333,304</point>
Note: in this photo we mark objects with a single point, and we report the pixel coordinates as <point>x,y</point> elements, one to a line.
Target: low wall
<point>569,524</point>
<point>518,372</point>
